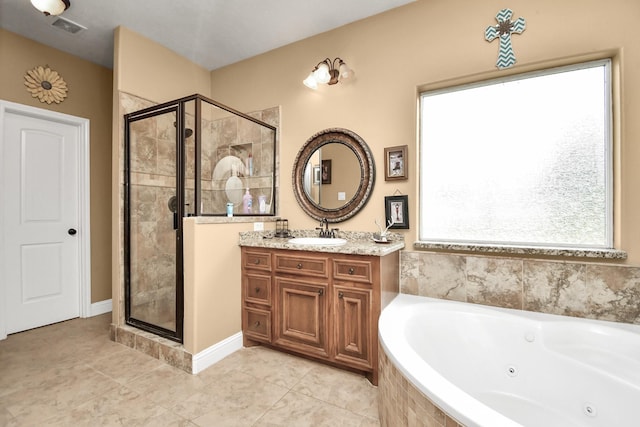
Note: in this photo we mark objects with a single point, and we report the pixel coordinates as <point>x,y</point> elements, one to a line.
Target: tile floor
<point>71,374</point>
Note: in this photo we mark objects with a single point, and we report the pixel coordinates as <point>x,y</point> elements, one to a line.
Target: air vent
<point>68,26</point>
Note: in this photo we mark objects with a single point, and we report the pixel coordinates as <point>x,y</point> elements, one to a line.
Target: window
<point>524,160</point>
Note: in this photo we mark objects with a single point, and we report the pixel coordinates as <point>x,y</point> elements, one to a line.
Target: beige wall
<point>211,283</point>
<point>89,96</point>
<point>151,71</point>
<point>435,43</point>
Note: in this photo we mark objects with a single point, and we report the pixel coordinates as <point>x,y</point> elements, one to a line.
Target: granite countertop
<point>358,243</point>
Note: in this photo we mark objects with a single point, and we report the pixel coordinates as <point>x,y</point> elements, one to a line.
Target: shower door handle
<point>175,220</point>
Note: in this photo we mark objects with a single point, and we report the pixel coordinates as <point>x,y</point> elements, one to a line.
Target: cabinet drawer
<point>352,270</point>
<point>257,288</point>
<point>256,260</point>
<point>257,324</point>
<point>302,265</point>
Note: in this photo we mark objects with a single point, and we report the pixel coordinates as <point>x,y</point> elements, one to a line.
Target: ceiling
<point>211,33</point>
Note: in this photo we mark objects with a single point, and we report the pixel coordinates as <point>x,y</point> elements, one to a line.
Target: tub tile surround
<point>402,404</point>
<point>587,290</point>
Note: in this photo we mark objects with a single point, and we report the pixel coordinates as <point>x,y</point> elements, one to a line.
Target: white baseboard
<point>216,353</point>
<point>100,307</point>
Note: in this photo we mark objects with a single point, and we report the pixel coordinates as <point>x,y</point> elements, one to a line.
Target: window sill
<point>522,250</point>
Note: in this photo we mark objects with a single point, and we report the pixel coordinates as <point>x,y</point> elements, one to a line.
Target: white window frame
<point>608,152</point>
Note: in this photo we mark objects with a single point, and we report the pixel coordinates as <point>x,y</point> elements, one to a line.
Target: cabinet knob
<point>340,295</point>
<point>320,292</point>
<point>351,270</point>
<point>299,266</point>
<point>257,290</point>
<point>256,261</point>
<point>257,323</point>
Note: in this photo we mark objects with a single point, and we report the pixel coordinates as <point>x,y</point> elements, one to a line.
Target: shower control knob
<point>72,231</point>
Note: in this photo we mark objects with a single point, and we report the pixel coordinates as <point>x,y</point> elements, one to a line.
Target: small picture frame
<point>326,171</point>
<point>396,209</point>
<point>316,175</point>
<point>395,163</point>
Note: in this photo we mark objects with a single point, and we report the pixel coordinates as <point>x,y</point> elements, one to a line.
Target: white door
<point>41,214</point>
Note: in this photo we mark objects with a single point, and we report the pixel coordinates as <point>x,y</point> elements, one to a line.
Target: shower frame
<point>179,107</point>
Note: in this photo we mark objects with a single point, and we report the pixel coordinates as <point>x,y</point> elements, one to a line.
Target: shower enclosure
<point>188,157</point>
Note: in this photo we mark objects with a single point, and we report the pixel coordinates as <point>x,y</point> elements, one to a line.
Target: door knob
<point>72,231</point>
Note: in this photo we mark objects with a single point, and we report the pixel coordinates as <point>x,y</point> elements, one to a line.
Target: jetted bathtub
<point>495,367</point>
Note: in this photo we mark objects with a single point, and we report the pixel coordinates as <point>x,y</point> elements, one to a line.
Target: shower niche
<point>188,157</point>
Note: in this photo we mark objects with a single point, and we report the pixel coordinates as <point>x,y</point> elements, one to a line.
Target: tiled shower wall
<point>237,137</point>
<point>579,289</point>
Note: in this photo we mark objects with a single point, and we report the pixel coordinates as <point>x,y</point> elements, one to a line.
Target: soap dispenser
<point>247,202</point>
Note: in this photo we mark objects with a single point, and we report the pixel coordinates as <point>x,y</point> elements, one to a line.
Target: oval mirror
<point>333,175</point>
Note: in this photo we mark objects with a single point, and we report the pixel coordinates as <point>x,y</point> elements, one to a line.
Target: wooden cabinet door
<point>302,316</point>
<point>353,325</point>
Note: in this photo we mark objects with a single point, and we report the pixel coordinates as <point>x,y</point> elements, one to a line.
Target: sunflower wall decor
<point>46,84</point>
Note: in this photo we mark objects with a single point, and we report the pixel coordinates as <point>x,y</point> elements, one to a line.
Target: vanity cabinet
<point>316,304</point>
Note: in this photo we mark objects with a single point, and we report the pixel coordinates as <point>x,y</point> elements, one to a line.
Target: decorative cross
<point>504,29</point>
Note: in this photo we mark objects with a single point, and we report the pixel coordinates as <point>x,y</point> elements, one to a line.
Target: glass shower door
<point>181,158</point>
<point>153,226</point>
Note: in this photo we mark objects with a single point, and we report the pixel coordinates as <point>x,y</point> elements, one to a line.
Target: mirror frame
<point>367,173</point>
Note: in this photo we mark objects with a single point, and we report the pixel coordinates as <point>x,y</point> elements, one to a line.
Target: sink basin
<point>320,241</point>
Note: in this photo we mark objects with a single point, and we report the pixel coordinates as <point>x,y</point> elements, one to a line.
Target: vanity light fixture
<point>51,7</point>
<point>327,72</point>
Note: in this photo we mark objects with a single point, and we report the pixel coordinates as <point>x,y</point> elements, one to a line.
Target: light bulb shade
<point>345,72</point>
<point>322,73</point>
<point>51,7</point>
<point>311,81</point>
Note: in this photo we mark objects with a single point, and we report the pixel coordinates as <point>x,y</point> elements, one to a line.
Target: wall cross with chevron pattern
<point>504,29</point>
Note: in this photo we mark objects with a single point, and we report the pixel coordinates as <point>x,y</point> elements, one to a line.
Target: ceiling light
<point>328,72</point>
<point>51,7</point>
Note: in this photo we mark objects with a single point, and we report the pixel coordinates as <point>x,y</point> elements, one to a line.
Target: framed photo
<point>396,209</point>
<point>326,171</point>
<point>316,175</point>
<point>395,163</point>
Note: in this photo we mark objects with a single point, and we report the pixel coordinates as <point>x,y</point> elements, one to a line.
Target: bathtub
<point>494,367</point>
